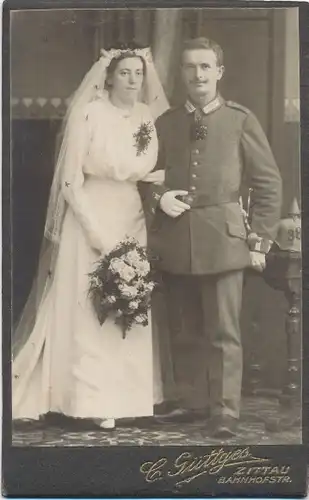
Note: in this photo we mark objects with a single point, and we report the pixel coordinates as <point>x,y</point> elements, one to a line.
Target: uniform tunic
<point>210,238</point>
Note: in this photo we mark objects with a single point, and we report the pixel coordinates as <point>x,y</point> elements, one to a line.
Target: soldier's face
<point>200,72</point>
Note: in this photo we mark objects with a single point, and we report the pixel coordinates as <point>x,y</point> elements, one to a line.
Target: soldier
<point>206,148</point>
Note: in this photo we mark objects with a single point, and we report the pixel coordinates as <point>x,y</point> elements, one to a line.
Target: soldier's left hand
<point>258,261</point>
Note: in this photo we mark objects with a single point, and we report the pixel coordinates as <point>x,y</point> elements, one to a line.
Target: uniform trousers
<point>204,328</point>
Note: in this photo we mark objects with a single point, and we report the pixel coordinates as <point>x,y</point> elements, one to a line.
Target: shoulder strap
<point>239,107</point>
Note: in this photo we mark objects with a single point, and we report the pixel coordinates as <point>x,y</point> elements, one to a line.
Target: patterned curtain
<point>158,29</point>
<point>123,27</point>
<point>192,23</point>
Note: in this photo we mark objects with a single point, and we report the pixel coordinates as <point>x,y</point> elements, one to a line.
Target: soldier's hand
<point>171,205</point>
<point>258,261</point>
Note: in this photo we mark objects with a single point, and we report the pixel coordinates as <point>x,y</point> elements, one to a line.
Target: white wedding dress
<point>70,364</point>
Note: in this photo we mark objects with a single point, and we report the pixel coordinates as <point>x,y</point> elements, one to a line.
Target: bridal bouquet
<point>122,285</point>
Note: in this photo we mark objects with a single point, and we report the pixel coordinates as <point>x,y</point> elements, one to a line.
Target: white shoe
<point>108,423</point>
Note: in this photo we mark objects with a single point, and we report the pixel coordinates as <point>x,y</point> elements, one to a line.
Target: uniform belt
<point>205,200</point>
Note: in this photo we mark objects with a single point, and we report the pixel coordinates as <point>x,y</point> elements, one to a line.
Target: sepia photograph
<point>156,227</point>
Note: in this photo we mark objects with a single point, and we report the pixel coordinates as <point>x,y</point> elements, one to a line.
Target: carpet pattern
<point>263,421</point>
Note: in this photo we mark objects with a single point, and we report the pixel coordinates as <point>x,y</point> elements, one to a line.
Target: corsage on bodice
<point>123,143</point>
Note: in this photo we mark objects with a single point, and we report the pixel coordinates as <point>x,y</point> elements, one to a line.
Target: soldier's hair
<point>204,43</point>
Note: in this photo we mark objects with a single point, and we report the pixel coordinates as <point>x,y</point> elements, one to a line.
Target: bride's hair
<point>129,54</point>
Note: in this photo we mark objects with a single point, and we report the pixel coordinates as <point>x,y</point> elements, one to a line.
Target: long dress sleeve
<point>151,193</point>
<point>151,157</point>
<point>72,179</point>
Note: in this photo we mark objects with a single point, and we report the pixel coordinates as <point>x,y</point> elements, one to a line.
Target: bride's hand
<point>157,177</point>
<point>101,248</point>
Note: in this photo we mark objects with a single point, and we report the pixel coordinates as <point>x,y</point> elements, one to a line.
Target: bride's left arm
<point>151,153</point>
<point>157,177</point>
<point>152,187</point>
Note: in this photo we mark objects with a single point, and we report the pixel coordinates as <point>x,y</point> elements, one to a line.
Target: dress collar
<point>211,106</point>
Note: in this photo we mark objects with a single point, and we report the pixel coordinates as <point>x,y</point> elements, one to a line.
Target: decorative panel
<point>52,51</point>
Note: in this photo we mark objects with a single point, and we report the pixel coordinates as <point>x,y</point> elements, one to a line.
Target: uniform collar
<point>209,108</point>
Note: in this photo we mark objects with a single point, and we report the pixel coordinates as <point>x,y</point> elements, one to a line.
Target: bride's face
<point>127,79</point>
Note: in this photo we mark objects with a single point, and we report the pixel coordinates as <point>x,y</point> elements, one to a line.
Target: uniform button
<point>193,188</point>
<point>196,151</point>
<point>194,176</point>
<point>195,163</point>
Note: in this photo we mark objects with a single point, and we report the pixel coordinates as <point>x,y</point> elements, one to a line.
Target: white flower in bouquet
<point>149,286</point>
<point>143,267</point>
<point>143,287</point>
<point>127,273</point>
<point>111,299</point>
<point>116,265</point>
<point>133,258</point>
<point>119,266</point>
<point>140,285</point>
<point>133,305</point>
<point>95,281</point>
<point>127,291</point>
<point>140,319</point>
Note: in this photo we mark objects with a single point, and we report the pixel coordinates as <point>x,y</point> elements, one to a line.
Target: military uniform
<point>205,250</point>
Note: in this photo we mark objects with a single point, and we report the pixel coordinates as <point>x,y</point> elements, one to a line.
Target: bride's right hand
<point>101,248</point>
<point>157,177</point>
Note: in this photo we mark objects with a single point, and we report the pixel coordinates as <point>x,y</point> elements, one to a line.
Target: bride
<point>64,361</point>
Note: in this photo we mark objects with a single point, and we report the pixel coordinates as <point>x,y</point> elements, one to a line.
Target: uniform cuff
<point>156,197</point>
<point>258,244</point>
